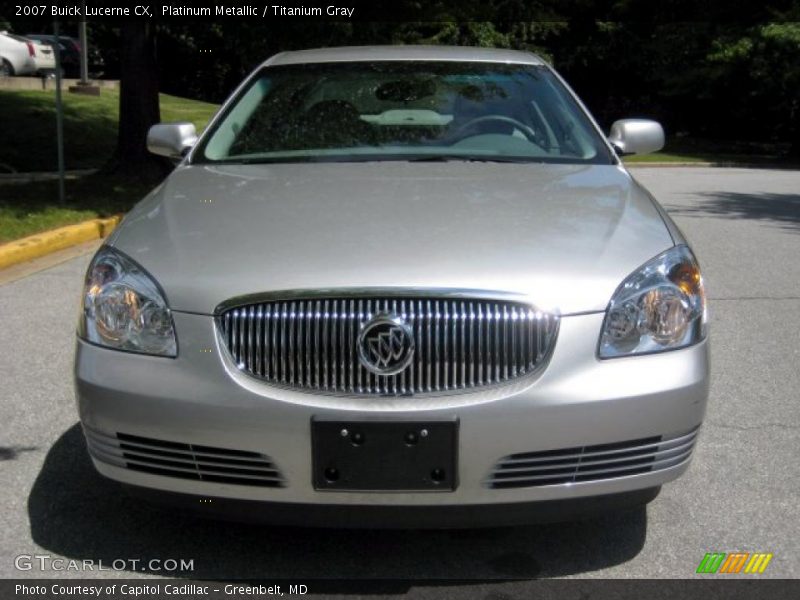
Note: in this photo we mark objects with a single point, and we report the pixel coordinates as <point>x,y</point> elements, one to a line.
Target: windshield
<point>374,111</point>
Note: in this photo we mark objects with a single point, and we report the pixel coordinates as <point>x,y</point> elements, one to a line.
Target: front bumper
<point>199,398</point>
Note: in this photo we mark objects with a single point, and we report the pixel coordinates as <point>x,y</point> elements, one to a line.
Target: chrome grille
<point>185,461</point>
<point>591,463</point>
<point>460,344</point>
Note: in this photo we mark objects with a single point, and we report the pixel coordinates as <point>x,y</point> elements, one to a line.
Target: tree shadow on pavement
<point>76,513</point>
<point>12,452</point>
<point>782,210</point>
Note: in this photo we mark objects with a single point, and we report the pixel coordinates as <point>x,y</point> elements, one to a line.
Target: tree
<point>138,99</point>
<point>760,70</point>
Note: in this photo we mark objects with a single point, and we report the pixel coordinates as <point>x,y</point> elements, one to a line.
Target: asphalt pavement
<point>740,494</point>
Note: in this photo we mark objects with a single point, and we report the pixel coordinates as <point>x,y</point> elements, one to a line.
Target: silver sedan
<point>396,286</point>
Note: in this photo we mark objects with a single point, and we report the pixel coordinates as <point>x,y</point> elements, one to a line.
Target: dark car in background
<point>71,55</point>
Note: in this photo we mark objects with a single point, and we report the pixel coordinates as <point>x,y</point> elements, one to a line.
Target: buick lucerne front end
<point>396,286</point>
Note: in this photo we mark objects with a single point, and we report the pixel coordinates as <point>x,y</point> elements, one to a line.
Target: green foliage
<point>90,127</point>
<point>28,208</point>
<point>760,67</point>
<point>705,69</point>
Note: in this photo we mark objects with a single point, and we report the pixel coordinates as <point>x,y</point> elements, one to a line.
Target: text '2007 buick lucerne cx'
<point>396,286</point>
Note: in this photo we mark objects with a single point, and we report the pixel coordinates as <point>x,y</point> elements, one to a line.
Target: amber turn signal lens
<point>687,277</point>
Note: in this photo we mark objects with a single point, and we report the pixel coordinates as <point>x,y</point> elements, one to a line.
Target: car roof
<point>47,36</point>
<point>14,36</point>
<point>401,53</point>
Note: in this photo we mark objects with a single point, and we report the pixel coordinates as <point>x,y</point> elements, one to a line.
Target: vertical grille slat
<point>292,355</point>
<point>249,336</point>
<point>407,376</point>
<point>429,346</point>
<point>233,344</point>
<point>538,337</point>
<point>307,345</point>
<point>471,351</point>
<point>462,360</point>
<point>259,321</point>
<point>242,337</point>
<point>342,368</point>
<point>437,315</point>
<point>420,351</point>
<point>498,340</point>
<point>227,330</point>
<point>393,388</point>
<point>282,337</point>
<point>334,319</point>
<point>372,379</point>
<point>319,328</point>
<point>479,344</point>
<point>444,362</point>
<point>513,370</point>
<point>361,384</point>
<point>460,344</point>
<point>325,344</point>
<point>351,344</point>
<point>273,345</point>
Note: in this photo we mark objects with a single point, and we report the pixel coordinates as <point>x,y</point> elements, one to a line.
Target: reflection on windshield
<point>404,111</point>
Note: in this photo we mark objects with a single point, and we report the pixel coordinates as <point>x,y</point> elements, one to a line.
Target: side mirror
<point>171,139</point>
<point>636,136</point>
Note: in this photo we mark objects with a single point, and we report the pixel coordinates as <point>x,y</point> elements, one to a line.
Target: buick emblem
<point>385,344</point>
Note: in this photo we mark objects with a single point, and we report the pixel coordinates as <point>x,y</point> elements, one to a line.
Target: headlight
<point>124,308</point>
<point>661,306</point>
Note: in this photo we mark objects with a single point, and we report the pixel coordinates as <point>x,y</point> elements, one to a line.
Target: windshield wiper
<point>251,160</point>
<point>470,158</point>
<point>255,160</point>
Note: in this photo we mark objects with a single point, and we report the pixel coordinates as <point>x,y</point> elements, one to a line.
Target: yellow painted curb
<point>46,242</point>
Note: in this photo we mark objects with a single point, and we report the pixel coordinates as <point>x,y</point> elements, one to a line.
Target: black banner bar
<point>457,11</point>
<point>716,588</point>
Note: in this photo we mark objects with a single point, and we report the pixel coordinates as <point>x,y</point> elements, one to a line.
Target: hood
<point>563,237</point>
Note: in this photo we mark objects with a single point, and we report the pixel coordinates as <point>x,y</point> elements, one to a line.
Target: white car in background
<point>21,56</point>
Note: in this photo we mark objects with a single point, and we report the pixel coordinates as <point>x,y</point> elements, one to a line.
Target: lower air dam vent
<point>185,461</point>
<point>591,463</point>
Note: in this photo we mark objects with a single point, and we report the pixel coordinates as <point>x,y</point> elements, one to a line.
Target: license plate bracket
<point>394,456</point>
